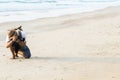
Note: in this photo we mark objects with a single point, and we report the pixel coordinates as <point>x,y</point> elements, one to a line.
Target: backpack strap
<point>20,35</point>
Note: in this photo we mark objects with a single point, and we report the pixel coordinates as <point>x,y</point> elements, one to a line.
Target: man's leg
<point>16,48</point>
<point>13,53</point>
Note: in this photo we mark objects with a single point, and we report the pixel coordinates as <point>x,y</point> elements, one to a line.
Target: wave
<point>99,0</point>
<point>53,1</point>
<point>41,5</point>
<point>29,1</point>
<point>19,10</point>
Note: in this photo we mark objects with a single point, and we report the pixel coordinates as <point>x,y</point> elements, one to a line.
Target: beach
<point>83,46</point>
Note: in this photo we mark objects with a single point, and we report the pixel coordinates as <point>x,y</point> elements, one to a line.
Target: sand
<point>82,46</point>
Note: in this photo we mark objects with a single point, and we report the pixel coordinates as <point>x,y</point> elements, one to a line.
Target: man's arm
<point>8,44</point>
<point>12,40</point>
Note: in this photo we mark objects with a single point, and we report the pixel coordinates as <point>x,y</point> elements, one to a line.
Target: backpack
<point>20,33</point>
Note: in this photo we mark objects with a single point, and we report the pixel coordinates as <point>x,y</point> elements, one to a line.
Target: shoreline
<point>18,16</point>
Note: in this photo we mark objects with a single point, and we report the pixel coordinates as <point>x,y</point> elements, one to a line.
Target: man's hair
<point>11,33</point>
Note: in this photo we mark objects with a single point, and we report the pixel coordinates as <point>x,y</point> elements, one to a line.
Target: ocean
<point>21,10</point>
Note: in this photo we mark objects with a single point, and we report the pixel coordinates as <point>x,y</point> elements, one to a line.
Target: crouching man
<point>16,42</point>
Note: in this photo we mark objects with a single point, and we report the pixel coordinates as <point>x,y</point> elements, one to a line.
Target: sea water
<point>21,10</point>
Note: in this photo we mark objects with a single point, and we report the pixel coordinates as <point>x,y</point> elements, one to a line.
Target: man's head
<point>11,33</point>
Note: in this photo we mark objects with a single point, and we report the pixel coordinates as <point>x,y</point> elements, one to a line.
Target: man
<point>16,42</point>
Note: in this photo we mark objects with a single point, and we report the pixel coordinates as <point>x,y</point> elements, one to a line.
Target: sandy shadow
<point>80,59</point>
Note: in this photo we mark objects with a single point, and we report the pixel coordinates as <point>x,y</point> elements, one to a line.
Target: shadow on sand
<point>80,59</point>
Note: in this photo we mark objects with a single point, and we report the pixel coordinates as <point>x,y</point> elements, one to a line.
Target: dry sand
<point>72,47</point>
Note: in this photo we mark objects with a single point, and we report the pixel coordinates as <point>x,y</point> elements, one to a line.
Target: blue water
<point>32,9</point>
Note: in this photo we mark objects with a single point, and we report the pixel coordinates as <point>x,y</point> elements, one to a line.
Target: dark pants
<point>16,47</point>
<point>25,50</point>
